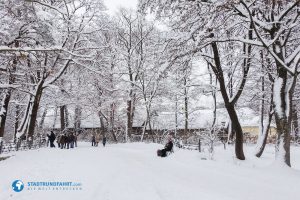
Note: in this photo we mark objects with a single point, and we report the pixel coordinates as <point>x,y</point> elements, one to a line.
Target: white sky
<point>112,5</point>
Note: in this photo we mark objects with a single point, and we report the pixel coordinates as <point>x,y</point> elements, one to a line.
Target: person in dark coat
<point>168,148</point>
<point>97,139</point>
<point>75,140</point>
<point>51,138</point>
<point>58,140</point>
<point>68,141</point>
<point>104,141</point>
<point>48,139</point>
<point>62,141</point>
<point>93,140</point>
<point>71,140</point>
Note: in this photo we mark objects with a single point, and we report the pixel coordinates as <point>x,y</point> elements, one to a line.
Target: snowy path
<point>133,172</point>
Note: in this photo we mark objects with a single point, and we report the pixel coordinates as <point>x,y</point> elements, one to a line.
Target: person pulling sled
<point>168,148</point>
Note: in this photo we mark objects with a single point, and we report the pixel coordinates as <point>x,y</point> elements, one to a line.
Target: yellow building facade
<point>254,130</point>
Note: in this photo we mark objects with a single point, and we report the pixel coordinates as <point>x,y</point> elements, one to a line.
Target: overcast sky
<point>113,5</point>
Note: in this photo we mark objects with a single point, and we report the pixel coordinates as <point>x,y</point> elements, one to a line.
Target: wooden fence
<point>6,147</point>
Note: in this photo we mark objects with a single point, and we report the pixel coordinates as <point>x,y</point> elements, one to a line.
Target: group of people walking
<point>69,140</point>
<point>64,141</point>
<point>96,138</point>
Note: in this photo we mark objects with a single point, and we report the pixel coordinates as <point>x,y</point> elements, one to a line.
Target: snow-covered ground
<point>133,172</point>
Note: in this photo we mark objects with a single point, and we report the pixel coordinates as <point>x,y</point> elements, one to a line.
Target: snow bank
<point>133,172</point>
<point>277,96</point>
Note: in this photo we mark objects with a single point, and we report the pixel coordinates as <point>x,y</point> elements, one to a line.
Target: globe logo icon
<point>17,186</point>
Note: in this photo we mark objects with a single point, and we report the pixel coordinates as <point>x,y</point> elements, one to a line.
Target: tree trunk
<point>144,129</point>
<point>7,95</point>
<point>238,132</point>
<point>131,101</point>
<point>3,111</point>
<point>43,118</point>
<point>229,104</point>
<point>129,118</point>
<point>283,140</point>
<point>229,132</point>
<point>283,105</point>
<point>34,111</point>
<point>264,127</point>
<point>29,120</point>
<point>176,115</point>
<point>150,127</point>
<point>112,121</point>
<point>102,124</point>
<point>213,94</point>
<point>264,131</point>
<point>185,92</point>
<point>295,121</point>
<point>22,129</point>
<point>77,120</point>
<point>16,123</point>
<point>62,118</point>
<point>186,112</point>
<point>55,117</point>
<point>283,91</point>
<point>262,139</point>
<point>130,114</point>
<point>66,116</point>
